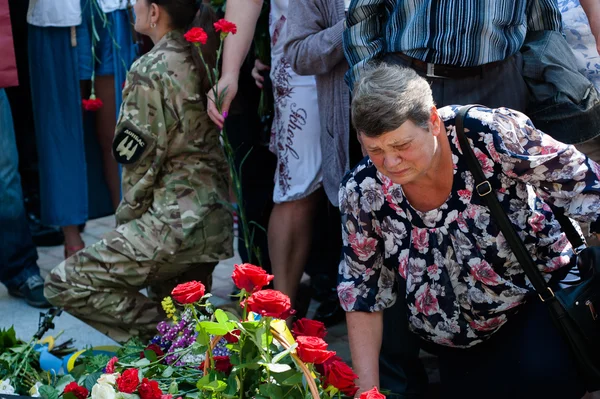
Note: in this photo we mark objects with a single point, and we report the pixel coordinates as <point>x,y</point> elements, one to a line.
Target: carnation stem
<point>94,41</point>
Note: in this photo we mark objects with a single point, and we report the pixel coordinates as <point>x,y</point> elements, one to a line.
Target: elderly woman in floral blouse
<point>413,229</point>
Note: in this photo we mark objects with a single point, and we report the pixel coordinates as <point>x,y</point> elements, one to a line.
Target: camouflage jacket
<point>175,175</point>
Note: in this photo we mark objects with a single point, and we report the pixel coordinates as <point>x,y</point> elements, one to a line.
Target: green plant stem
<point>25,356</point>
<point>94,41</point>
<point>268,352</point>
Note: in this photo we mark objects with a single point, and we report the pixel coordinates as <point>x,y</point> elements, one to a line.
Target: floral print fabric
<point>579,36</point>
<point>462,280</point>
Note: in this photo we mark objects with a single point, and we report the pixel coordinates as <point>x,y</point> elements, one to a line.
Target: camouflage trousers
<point>101,285</point>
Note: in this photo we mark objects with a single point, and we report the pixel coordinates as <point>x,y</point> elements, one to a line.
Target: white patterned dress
<point>296,131</point>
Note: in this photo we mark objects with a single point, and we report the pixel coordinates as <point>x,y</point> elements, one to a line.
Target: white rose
<point>103,391</point>
<point>6,388</point>
<point>34,391</point>
<point>108,378</point>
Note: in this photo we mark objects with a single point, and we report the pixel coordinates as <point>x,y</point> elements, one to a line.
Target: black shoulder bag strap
<point>484,190</point>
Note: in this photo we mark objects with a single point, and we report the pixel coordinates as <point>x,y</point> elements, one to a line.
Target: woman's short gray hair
<point>386,96</point>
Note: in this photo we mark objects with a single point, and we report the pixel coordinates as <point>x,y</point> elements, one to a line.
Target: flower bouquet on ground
<point>24,364</point>
<point>202,352</point>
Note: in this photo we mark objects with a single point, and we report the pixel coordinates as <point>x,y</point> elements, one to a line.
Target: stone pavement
<point>25,318</point>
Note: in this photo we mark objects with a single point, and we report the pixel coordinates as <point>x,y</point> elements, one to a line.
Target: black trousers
<point>500,86</point>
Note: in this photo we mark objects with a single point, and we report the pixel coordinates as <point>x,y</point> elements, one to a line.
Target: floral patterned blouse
<point>462,280</point>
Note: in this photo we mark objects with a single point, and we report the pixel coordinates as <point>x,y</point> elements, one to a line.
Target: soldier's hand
<point>256,72</point>
<point>226,82</point>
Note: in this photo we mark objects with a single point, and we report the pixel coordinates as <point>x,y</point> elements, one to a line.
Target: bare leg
<point>289,234</point>
<point>73,241</point>
<point>105,131</point>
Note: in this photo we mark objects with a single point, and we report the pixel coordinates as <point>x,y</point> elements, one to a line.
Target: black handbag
<point>574,310</point>
<point>563,102</point>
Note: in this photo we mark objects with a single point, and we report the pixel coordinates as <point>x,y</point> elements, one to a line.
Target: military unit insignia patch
<point>128,146</point>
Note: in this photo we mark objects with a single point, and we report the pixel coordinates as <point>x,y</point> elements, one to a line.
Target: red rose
<point>232,337</point>
<point>110,366</point>
<point>149,390</point>
<point>309,328</point>
<point>225,26</point>
<point>92,104</point>
<point>154,348</point>
<point>196,35</point>
<point>188,292</point>
<point>222,364</point>
<point>79,391</point>
<point>372,394</point>
<point>340,375</point>
<point>270,303</point>
<point>250,278</point>
<point>128,381</point>
<point>313,350</point>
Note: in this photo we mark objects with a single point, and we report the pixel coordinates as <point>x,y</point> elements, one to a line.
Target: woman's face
<point>407,153</point>
<point>144,16</point>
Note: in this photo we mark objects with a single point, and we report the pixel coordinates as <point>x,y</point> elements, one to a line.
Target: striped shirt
<point>448,32</point>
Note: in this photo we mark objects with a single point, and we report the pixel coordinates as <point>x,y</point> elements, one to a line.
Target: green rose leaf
<point>216,386</point>
<point>221,317</point>
<point>63,382</point>
<point>233,384</point>
<point>168,372</point>
<point>150,355</point>
<point>214,328</point>
<point>91,380</point>
<point>173,388</point>
<point>47,392</point>
<point>202,382</point>
<point>143,362</point>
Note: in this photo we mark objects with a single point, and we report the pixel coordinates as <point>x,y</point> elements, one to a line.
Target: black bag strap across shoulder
<point>484,189</point>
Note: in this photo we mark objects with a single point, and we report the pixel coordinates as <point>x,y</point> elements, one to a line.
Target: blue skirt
<point>56,100</point>
<point>62,137</point>
<point>111,28</point>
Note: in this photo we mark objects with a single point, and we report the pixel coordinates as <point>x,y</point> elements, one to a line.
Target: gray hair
<point>386,96</point>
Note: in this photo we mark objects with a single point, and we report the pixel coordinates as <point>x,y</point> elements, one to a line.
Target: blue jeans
<point>18,255</point>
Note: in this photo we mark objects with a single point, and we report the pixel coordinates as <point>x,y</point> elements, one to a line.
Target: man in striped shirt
<point>469,52</point>
<point>442,34</point>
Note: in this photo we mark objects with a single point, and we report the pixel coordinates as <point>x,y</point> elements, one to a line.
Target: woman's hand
<point>365,332</point>
<point>230,83</point>
<point>256,72</point>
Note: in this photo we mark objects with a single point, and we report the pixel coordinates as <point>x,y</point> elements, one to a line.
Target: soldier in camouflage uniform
<point>173,222</point>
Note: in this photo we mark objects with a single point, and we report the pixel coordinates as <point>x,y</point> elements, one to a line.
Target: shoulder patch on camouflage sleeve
<point>128,146</point>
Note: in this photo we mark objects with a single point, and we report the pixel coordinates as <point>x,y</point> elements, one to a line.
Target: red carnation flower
<point>110,366</point>
<point>92,104</point>
<point>309,328</point>
<point>149,390</point>
<point>128,381</point>
<point>225,27</point>
<point>313,350</point>
<point>188,292</point>
<point>270,303</point>
<point>196,35</point>
<point>79,391</point>
<point>250,278</point>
